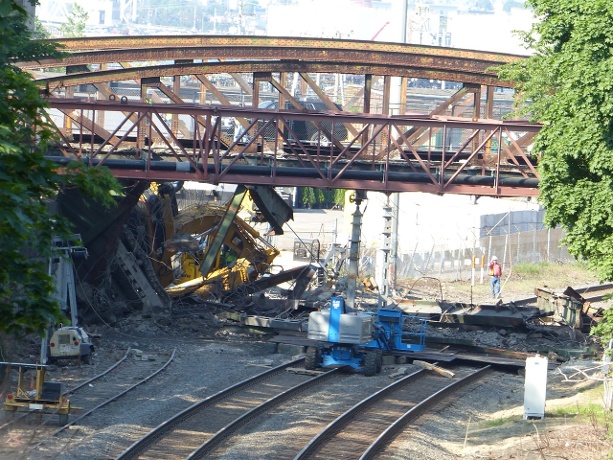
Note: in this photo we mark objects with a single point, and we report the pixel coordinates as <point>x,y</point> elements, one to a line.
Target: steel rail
<point>141,445</point>
<point>332,427</point>
<point>106,402</point>
<point>353,58</point>
<point>397,427</point>
<point>253,66</point>
<point>74,389</point>
<point>336,426</point>
<point>213,443</point>
<point>113,49</point>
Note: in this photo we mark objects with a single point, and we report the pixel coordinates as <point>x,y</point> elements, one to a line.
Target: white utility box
<point>535,390</point>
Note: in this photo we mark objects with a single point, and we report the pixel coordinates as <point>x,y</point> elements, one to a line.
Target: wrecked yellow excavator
<point>154,247</point>
<point>206,249</point>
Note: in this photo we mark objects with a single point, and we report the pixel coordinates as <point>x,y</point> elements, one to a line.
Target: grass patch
<point>576,410</point>
<point>549,269</point>
<point>593,413</point>
<point>529,270</point>
<point>497,422</point>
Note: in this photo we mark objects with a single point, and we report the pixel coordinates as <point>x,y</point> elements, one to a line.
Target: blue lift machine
<point>358,339</point>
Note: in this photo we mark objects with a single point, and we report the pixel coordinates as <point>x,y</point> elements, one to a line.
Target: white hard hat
<point>494,258</point>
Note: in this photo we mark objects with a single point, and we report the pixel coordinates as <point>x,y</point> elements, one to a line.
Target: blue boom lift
<point>358,339</point>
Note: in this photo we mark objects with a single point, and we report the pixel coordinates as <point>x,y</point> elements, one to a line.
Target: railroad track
<point>362,431</point>
<point>92,395</point>
<point>314,416</point>
<point>200,427</point>
<point>22,416</point>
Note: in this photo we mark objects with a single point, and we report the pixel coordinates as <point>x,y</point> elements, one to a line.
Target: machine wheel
<point>370,363</point>
<point>321,139</point>
<point>313,356</point>
<point>379,362</point>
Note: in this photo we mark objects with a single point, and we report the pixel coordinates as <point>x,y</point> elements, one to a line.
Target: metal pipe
<point>294,171</point>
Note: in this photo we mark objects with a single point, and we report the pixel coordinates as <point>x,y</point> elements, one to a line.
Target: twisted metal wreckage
<point>154,254</point>
<point>148,251</point>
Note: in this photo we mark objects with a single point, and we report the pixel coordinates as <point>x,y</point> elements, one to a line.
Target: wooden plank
<point>434,368</point>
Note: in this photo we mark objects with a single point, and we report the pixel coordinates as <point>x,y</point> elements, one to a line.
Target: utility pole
<point>394,200</point>
<point>354,248</point>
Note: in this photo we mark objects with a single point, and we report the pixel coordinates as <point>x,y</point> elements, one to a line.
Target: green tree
<point>339,197</point>
<point>567,84</point>
<point>75,27</point>
<point>307,197</point>
<point>604,329</point>
<point>320,198</point>
<point>40,32</point>
<point>28,182</point>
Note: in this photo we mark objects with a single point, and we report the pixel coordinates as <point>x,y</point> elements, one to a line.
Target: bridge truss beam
<point>450,154</point>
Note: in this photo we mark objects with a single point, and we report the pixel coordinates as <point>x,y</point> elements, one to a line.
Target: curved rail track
<point>365,428</point>
<point>97,392</point>
<point>203,425</point>
<point>289,428</point>
<point>16,419</point>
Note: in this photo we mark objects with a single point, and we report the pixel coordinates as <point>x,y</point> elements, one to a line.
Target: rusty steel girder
<point>172,70</point>
<point>295,148</point>
<point>269,54</point>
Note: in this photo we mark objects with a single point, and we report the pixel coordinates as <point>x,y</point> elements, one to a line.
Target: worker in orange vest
<point>495,274</point>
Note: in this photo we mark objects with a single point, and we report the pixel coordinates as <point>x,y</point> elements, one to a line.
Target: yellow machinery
<point>34,394</point>
<point>206,249</point>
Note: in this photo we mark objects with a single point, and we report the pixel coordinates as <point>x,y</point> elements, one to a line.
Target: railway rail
<point>196,430</point>
<point>364,429</point>
<point>367,426</point>
<point>92,395</point>
<point>17,419</point>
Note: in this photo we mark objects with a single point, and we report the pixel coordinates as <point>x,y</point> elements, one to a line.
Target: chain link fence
<point>510,237</point>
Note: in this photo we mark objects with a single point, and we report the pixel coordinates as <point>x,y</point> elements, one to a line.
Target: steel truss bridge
<point>167,108</point>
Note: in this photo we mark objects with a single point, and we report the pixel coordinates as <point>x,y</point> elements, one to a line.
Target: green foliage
<point>307,196</point>
<point>320,198</point>
<point>28,182</point>
<point>39,32</point>
<point>567,84</point>
<point>604,329</point>
<point>75,27</point>
<point>15,45</point>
